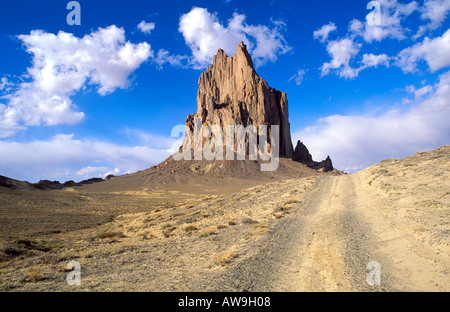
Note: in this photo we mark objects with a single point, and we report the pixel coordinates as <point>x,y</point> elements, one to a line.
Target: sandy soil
<point>313,233</point>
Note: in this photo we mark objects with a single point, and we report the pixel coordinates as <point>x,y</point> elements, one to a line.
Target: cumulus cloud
<point>372,60</point>
<point>62,65</point>
<point>145,27</point>
<point>434,11</point>
<point>435,52</point>
<point>344,51</point>
<point>322,33</point>
<point>205,34</point>
<point>63,157</point>
<point>354,142</point>
<point>341,52</point>
<point>392,14</point>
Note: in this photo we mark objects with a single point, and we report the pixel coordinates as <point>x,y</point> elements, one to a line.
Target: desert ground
<point>209,227</point>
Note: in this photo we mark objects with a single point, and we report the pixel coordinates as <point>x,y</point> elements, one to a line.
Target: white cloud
<point>436,53</point>
<point>298,77</point>
<point>156,141</point>
<point>372,60</point>
<point>163,56</point>
<point>65,158</point>
<point>5,84</point>
<point>418,93</point>
<point>354,142</point>
<point>205,34</point>
<point>62,65</point>
<point>93,172</point>
<point>322,33</point>
<point>341,52</point>
<point>392,14</point>
<point>145,27</point>
<point>436,12</point>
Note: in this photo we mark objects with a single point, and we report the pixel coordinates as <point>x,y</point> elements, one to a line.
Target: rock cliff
<point>230,92</point>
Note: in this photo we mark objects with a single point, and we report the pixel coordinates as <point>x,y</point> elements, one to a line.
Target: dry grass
<point>168,231</point>
<point>125,236</point>
<point>11,251</point>
<point>35,274</point>
<point>226,257</point>
<point>419,229</point>
<point>111,235</point>
<point>291,201</point>
<point>189,228</point>
<point>208,231</point>
<point>248,220</point>
<point>417,186</point>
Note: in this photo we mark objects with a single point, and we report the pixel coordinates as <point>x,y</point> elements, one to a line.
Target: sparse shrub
<point>12,251</point>
<point>24,242</point>
<point>248,220</point>
<point>208,231</point>
<point>5,286</point>
<point>35,274</point>
<point>168,231</point>
<point>189,228</point>
<point>112,235</point>
<point>226,257</point>
<point>278,215</point>
<point>291,201</point>
<point>419,229</point>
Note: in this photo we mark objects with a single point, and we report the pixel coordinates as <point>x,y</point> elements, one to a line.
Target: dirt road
<point>328,243</point>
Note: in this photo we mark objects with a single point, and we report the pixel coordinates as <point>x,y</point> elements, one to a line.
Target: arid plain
<point>294,230</point>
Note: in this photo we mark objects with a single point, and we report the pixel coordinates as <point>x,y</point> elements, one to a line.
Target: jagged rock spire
<point>230,92</point>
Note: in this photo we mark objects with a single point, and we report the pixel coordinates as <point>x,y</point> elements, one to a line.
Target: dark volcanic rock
<point>302,155</point>
<point>6,182</point>
<point>56,185</point>
<point>48,185</point>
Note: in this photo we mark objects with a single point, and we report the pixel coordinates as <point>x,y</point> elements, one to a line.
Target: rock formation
<point>230,92</point>
<point>302,155</point>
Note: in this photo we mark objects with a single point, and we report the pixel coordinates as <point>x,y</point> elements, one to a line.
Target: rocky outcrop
<point>6,182</point>
<point>302,155</point>
<point>56,185</point>
<point>230,92</point>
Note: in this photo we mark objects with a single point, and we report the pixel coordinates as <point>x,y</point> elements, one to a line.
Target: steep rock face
<point>230,92</point>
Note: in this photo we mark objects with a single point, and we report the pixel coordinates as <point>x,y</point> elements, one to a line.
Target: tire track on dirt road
<point>336,246</point>
<point>324,246</point>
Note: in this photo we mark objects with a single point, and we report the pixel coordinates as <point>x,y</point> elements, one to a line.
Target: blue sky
<point>78,101</point>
